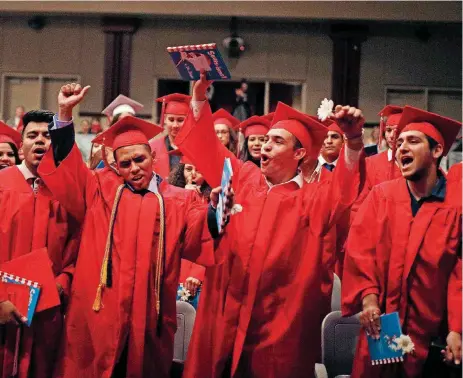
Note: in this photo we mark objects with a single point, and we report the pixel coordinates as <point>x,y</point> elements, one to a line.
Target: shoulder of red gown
<point>12,178</point>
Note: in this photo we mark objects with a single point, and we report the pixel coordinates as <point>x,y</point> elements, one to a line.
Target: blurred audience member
<point>242,110</point>
<point>16,122</point>
<point>96,126</point>
<point>10,140</point>
<point>84,138</point>
<point>371,140</point>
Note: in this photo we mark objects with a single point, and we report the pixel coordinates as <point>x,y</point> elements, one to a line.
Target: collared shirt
<point>321,161</point>
<point>389,154</point>
<point>152,187</point>
<point>298,179</point>
<point>26,172</point>
<point>437,194</point>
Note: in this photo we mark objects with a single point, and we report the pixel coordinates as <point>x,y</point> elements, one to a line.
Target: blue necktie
<point>328,166</point>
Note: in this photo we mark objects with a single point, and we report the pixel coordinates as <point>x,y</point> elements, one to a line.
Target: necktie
<point>328,166</point>
<point>35,183</point>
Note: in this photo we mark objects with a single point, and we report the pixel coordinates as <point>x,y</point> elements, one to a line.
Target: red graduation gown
<point>95,340</point>
<point>271,307</point>
<point>30,222</point>
<point>412,263</point>
<point>378,169</point>
<point>161,164</point>
<point>338,233</point>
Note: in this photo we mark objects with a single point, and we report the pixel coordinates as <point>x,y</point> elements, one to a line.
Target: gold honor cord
<point>160,257</point>
<point>98,304</point>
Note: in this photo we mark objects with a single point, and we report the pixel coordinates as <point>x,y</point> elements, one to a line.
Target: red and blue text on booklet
<point>190,60</point>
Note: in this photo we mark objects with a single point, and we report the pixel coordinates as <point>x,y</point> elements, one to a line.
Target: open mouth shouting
<point>264,159</point>
<point>406,161</point>
<point>38,152</point>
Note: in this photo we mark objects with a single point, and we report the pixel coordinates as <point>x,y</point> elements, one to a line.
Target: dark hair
<point>297,145</point>
<point>115,119</point>
<point>177,178</point>
<point>432,144</point>
<point>37,116</point>
<point>233,142</point>
<point>17,160</point>
<point>245,155</point>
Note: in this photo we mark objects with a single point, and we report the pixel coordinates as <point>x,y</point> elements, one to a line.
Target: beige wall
<point>406,61</point>
<point>274,53</point>
<point>351,10</point>
<point>64,46</point>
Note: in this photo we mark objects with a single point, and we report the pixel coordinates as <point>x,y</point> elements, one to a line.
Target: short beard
<point>418,175</point>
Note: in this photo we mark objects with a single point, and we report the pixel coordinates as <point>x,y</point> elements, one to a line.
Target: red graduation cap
<point>9,135</point>
<point>36,266</point>
<point>222,117</point>
<point>389,116</point>
<point>269,116</point>
<point>442,129</point>
<point>183,158</point>
<point>175,103</point>
<point>122,104</point>
<point>255,126</point>
<point>128,131</point>
<point>330,124</point>
<point>310,132</point>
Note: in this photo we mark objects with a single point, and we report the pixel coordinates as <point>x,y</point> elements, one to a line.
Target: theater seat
<point>186,315</point>
<point>336,294</point>
<point>339,341</point>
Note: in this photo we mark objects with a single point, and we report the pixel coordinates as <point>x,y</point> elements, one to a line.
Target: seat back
<point>186,315</point>
<point>339,341</point>
<point>336,294</point>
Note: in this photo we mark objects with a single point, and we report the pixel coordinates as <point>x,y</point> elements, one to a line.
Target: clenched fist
<point>69,96</point>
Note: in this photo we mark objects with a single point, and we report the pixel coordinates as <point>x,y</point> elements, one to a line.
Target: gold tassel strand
<point>98,303</point>
<point>160,255</point>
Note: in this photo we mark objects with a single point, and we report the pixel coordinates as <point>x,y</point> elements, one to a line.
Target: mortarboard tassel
<point>98,303</point>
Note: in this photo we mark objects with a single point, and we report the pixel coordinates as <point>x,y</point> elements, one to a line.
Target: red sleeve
<point>359,276</point>
<point>197,140</point>
<point>198,245</point>
<point>71,183</point>
<point>454,301</point>
<point>365,188</point>
<point>68,262</point>
<point>336,197</point>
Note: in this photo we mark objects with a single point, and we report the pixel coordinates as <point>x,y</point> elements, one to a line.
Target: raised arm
<point>62,168</point>
<point>336,197</point>
<point>197,139</point>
